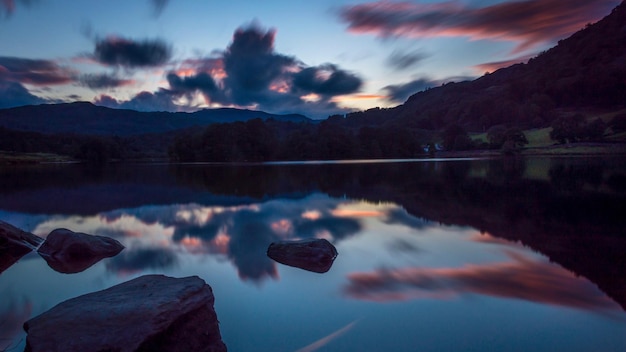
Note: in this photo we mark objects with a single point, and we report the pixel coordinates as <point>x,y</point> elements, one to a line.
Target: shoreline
<point>8,158</point>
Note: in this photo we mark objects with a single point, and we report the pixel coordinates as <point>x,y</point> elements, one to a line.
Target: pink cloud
<point>528,23</point>
<point>495,65</point>
<point>521,278</point>
<point>34,71</point>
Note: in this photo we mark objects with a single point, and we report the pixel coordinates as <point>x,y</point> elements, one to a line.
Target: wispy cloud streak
<point>528,23</point>
<point>521,278</point>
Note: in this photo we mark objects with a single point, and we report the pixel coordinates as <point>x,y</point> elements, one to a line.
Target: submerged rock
<point>14,244</point>
<point>71,252</point>
<point>150,313</point>
<point>315,255</point>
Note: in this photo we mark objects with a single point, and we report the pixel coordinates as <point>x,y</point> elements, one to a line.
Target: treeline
<point>97,149</point>
<point>256,140</point>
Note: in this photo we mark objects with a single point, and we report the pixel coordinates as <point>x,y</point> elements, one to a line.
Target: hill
<point>585,71</point>
<point>88,119</point>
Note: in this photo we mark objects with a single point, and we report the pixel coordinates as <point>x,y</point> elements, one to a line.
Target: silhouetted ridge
<point>86,118</point>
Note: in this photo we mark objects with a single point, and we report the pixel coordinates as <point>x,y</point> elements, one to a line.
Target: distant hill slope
<point>586,70</point>
<point>88,119</point>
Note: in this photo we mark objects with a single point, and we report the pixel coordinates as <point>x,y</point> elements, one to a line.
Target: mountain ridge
<point>86,118</point>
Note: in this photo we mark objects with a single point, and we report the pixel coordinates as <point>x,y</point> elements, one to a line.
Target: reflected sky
<point>393,271</point>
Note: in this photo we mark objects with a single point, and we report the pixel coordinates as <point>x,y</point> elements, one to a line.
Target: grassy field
<point>11,158</point>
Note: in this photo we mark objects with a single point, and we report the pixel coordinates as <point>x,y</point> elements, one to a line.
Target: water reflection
<point>154,235</point>
<point>521,277</point>
<point>13,313</point>
<point>516,231</point>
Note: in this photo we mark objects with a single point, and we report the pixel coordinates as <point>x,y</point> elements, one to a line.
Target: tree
<point>455,137</point>
<point>496,136</point>
<point>515,136</point>
<point>566,129</point>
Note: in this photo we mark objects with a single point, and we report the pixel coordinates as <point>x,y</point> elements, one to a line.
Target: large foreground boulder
<point>150,313</point>
<point>71,252</point>
<point>315,255</point>
<point>14,244</point>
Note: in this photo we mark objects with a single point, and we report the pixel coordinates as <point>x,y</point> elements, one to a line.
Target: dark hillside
<point>586,70</point>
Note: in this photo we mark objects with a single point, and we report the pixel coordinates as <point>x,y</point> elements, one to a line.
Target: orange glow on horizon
<point>357,97</point>
<point>356,213</point>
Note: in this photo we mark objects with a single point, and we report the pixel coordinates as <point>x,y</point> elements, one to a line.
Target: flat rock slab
<point>315,255</point>
<point>150,313</point>
<point>72,252</point>
<point>14,244</point>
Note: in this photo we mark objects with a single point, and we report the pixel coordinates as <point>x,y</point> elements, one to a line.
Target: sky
<point>316,58</point>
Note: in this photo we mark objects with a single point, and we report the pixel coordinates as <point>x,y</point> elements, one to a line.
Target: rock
<point>72,252</point>
<point>14,244</point>
<point>315,255</point>
<point>150,313</point>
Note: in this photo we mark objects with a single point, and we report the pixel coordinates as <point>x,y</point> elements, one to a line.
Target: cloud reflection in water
<point>520,278</point>
<point>156,235</point>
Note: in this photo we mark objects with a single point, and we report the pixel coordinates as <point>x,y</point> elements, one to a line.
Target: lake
<point>434,255</point>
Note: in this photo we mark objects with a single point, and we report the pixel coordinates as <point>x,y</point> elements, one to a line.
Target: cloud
<point>140,259</point>
<point>529,22</point>
<point>521,278</point>
<point>496,65</point>
<point>122,52</point>
<point>158,6</point>
<point>252,65</point>
<point>161,100</point>
<point>202,82</point>
<point>100,81</point>
<point>401,217</point>
<point>249,73</point>
<point>35,72</point>
<point>401,92</point>
<point>327,80</point>
<point>13,94</point>
<point>400,60</point>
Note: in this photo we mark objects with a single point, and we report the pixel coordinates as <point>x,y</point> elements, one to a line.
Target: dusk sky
<point>316,58</point>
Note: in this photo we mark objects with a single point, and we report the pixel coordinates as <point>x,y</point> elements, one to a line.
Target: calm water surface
<point>482,255</point>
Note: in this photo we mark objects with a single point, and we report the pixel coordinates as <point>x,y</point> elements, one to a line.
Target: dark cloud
<point>116,51</point>
<point>528,22</point>
<point>36,72</point>
<point>521,278</point>
<point>401,92</point>
<point>251,65</point>
<point>326,80</point>
<point>158,6</point>
<point>202,82</point>
<point>140,259</point>
<point>249,73</point>
<point>100,81</point>
<point>160,100</point>
<point>401,60</point>
<point>14,94</point>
